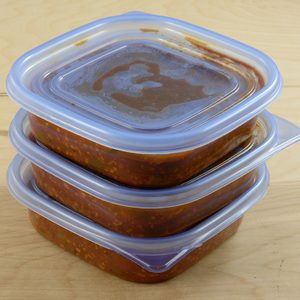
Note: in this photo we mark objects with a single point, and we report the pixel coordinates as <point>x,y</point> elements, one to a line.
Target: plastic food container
<point>146,100</point>
<point>134,259</point>
<point>159,212</point>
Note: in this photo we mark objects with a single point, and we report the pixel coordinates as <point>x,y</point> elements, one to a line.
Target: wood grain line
<point>3,132</point>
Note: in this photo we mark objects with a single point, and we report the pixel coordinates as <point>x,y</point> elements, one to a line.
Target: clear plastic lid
<point>271,135</point>
<point>145,83</point>
<point>152,254</point>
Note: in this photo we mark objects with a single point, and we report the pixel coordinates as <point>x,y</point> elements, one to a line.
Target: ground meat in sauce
<point>140,222</point>
<point>134,169</point>
<point>117,264</point>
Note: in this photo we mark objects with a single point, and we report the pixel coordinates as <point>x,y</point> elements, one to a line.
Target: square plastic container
<point>134,259</point>
<point>159,212</point>
<point>146,100</point>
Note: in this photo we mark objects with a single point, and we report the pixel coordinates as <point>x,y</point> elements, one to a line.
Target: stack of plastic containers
<point>142,141</point>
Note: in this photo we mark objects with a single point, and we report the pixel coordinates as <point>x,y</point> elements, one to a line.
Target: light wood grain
<point>260,262</point>
<point>271,26</point>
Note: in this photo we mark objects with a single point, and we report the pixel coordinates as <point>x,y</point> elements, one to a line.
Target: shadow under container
<point>147,101</point>
<point>143,212</point>
<point>134,259</point>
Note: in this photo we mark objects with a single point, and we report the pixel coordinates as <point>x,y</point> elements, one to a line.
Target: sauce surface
<point>146,87</point>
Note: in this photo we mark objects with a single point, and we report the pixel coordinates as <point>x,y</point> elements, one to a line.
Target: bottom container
<point>136,259</point>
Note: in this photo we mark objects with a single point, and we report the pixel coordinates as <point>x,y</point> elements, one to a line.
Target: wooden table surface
<point>261,262</point>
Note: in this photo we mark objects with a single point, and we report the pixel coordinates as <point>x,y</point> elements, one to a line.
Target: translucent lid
<point>144,83</point>
<point>271,135</point>
<point>152,254</point>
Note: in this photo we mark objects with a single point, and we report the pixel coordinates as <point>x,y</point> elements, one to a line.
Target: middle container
<point>159,212</point>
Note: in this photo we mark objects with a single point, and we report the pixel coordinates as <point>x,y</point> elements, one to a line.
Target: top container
<point>146,100</point>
